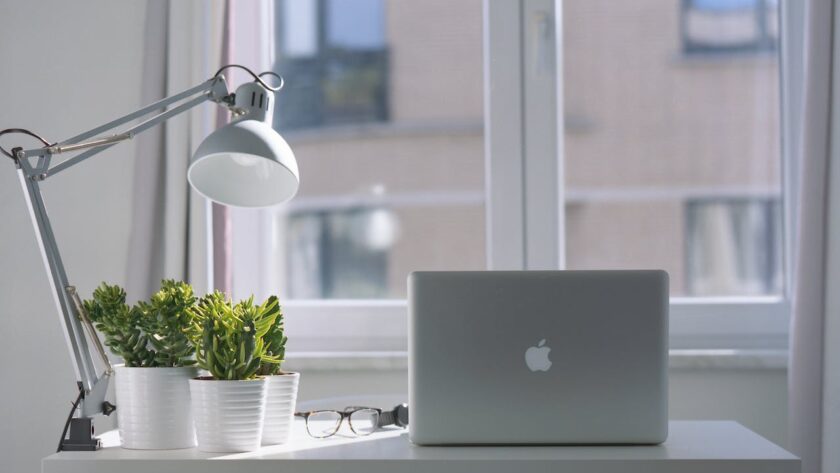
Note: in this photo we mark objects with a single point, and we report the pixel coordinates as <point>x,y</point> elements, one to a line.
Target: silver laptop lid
<point>538,357</point>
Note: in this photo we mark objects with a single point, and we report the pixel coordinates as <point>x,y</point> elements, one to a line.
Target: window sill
<point>398,360</point>
<point>722,58</point>
<point>346,361</point>
<point>750,359</point>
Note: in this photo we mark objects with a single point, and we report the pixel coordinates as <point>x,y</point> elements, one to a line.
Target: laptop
<point>538,357</point>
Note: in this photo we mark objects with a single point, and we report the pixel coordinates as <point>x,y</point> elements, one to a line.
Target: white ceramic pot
<point>153,407</point>
<point>228,414</point>
<point>280,407</point>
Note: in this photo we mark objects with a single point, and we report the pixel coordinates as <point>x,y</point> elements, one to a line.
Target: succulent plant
<point>164,318</point>
<point>230,339</point>
<point>275,339</point>
<point>120,324</point>
<point>150,334</point>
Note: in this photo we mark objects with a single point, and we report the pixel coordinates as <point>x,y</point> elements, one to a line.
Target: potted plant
<point>153,401</point>
<point>282,386</point>
<point>228,406</point>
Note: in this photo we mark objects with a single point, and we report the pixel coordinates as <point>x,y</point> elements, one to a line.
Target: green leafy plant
<point>150,334</point>
<point>120,324</point>
<point>275,340</point>
<point>164,318</point>
<point>230,339</point>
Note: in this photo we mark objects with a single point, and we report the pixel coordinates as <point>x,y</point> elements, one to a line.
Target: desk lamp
<point>244,163</point>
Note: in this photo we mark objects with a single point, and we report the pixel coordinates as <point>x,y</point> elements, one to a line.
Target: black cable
<point>25,132</point>
<point>70,418</point>
<point>257,77</point>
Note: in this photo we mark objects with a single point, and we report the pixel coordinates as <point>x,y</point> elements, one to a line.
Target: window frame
<point>695,323</point>
<point>524,216</point>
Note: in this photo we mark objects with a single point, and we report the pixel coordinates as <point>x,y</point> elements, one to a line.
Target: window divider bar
<point>543,134</point>
<point>503,135</point>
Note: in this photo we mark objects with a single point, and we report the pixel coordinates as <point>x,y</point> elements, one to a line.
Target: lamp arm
<point>213,89</point>
<point>74,321</point>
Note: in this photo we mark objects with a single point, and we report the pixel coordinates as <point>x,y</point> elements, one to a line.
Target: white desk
<point>692,447</point>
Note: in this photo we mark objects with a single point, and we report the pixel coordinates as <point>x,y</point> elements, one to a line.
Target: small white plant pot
<point>228,414</point>
<point>280,407</point>
<point>153,407</point>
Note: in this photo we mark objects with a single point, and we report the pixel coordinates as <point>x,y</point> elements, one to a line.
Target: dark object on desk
<point>397,416</point>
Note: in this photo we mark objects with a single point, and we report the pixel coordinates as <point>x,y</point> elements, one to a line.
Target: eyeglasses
<point>325,423</point>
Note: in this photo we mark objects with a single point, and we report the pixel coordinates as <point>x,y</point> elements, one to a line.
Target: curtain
<point>177,233</point>
<point>247,39</point>
<point>222,246</point>
<point>170,237</point>
<point>814,373</point>
<point>251,43</point>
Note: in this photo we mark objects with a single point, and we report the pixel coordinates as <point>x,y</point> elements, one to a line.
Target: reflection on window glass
<point>662,167</point>
<point>383,106</point>
<point>733,247</point>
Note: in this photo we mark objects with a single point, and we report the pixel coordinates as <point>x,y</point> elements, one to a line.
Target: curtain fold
<point>170,237</point>
<point>222,238</point>
<point>814,373</point>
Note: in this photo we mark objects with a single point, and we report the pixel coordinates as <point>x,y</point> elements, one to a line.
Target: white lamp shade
<point>245,164</point>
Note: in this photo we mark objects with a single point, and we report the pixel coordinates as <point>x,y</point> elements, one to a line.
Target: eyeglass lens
<point>322,424</point>
<point>364,421</point>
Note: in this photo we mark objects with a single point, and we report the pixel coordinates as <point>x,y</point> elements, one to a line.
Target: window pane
<point>673,157</point>
<point>385,118</point>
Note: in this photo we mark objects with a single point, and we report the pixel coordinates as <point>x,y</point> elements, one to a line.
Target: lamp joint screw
<point>108,408</point>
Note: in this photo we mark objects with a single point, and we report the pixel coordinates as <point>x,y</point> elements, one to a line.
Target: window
<point>727,26</point>
<point>661,162</point>
<point>734,247</point>
<point>335,60</point>
<point>679,164</point>
<point>340,253</point>
<point>383,106</point>
<point>647,137</point>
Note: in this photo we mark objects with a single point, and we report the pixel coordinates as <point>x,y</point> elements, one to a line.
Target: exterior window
<point>727,26</point>
<point>733,247</point>
<point>676,166</point>
<point>669,144</point>
<point>399,187</point>
<point>340,254</point>
<point>333,56</point>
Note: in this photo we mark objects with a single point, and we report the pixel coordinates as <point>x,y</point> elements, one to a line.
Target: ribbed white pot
<point>228,414</point>
<point>153,407</point>
<point>280,407</point>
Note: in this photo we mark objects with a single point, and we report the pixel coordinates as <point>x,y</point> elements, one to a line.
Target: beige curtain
<point>170,237</point>
<point>814,376</point>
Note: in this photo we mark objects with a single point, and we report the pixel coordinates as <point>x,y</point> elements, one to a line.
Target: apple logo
<point>537,357</point>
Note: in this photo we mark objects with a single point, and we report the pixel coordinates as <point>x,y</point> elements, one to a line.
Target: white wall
<point>67,66</point>
<point>64,67</point>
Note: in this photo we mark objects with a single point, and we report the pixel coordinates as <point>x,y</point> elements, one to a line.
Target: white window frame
<point>524,142</point>
<point>525,213</point>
